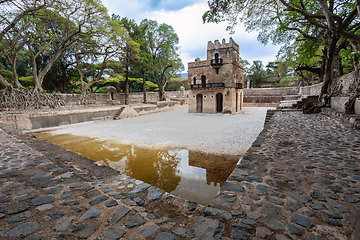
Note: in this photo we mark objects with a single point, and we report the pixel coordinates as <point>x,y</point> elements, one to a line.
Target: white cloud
<point>193,34</point>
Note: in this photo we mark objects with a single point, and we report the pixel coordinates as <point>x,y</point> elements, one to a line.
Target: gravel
<point>212,133</point>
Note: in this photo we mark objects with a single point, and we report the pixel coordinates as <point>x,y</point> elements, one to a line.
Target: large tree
<point>161,42</point>
<point>328,23</point>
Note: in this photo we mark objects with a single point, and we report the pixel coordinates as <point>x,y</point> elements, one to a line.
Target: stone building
<point>215,85</point>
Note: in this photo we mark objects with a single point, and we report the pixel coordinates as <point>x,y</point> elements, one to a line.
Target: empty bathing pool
<point>188,155</point>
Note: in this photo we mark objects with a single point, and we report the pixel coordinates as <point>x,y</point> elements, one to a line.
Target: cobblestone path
<point>299,180</point>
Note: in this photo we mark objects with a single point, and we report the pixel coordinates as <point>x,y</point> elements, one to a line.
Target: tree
<point>258,73</point>
<point>329,23</point>
<point>12,13</point>
<point>161,42</point>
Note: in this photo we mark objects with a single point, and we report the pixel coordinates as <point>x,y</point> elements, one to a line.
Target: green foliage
<point>27,82</point>
<point>286,82</point>
<point>174,84</point>
<point>8,75</point>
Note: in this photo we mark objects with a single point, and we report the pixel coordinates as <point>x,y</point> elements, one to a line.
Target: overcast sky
<point>185,16</point>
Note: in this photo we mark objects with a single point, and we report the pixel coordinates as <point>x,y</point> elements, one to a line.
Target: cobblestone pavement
<point>299,180</point>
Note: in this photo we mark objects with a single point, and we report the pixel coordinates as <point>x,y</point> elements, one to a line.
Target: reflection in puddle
<point>191,175</point>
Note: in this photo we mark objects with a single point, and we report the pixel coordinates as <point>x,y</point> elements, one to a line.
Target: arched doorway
<point>237,102</point>
<point>199,103</point>
<point>219,102</point>
<point>203,80</point>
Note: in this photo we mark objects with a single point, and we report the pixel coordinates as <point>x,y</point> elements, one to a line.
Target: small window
<point>194,79</point>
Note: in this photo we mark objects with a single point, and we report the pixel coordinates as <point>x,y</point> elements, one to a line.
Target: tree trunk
<point>162,96</point>
<point>4,82</point>
<point>144,86</point>
<point>328,66</point>
<point>127,86</point>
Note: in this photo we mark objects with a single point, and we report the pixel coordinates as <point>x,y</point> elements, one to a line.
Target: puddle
<point>191,175</point>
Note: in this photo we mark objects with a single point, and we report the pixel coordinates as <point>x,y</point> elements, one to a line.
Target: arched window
<point>203,80</point>
<point>216,58</point>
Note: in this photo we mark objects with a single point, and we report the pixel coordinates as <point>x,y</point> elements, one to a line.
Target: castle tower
<point>215,85</point>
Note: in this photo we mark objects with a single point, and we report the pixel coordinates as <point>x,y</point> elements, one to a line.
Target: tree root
<point>21,99</point>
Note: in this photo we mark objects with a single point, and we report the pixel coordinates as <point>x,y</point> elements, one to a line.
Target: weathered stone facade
<point>216,83</point>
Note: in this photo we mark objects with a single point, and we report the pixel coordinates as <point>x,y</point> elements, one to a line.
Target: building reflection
<point>218,167</point>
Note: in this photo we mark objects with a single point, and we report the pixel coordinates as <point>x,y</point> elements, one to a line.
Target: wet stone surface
<point>299,180</point>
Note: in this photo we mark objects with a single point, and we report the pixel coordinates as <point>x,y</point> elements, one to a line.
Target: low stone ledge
<point>352,119</point>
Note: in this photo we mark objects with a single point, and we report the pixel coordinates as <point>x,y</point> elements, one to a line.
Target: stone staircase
<point>297,102</point>
<point>269,114</point>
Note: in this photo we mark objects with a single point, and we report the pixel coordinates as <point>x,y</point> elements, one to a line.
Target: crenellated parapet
<point>217,45</point>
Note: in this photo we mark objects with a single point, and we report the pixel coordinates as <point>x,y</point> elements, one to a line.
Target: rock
<point>39,175</point>
<point>262,232</point>
<point>150,230</point>
<point>295,230</point>
<point>205,228</point>
<point>217,213</point>
<point>24,191</point>
<point>335,223</point>
<point>113,234</point>
<point>92,193</point>
<point>50,183</point>
<point>302,199</point>
<point>44,207</point>
<point>89,230</point>
<point>142,187</point>
<point>247,221</point>
<point>18,217</point>
<point>154,194</point>
<point>232,187</point>
<point>300,220</point>
<point>77,227</point>
<point>167,225</point>
<point>42,200</point>
<point>165,236</point>
<point>271,210</point>
<point>237,234</point>
<point>15,185</point>
<point>26,197</point>
<point>54,190</point>
<point>16,208</point>
<point>23,229</point>
<point>225,200</point>
<point>292,206</point>
<point>66,194</point>
<point>262,188</point>
<point>5,199</point>
<point>111,203</point>
<point>61,226</point>
<point>119,214</point>
<point>334,215</point>
<point>273,223</point>
<point>191,206</point>
<point>181,232</point>
<point>316,195</point>
<point>340,208</point>
<point>115,183</point>
<point>318,206</point>
<point>56,214</point>
<point>241,225</point>
<point>128,202</point>
<point>135,221</point>
<point>66,175</point>
<point>71,202</point>
<point>92,213</point>
<point>80,186</point>
<point>98,200</point>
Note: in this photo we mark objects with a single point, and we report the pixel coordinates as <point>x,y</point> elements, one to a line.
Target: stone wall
<point>119,98</point>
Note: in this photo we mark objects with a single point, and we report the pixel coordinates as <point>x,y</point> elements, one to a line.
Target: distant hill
<point>184,75</point>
